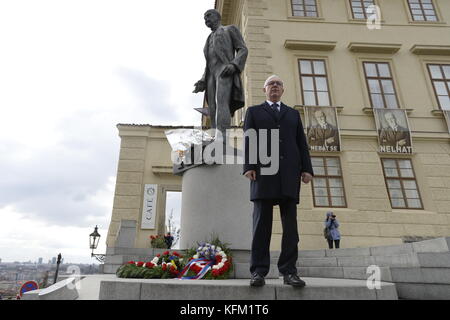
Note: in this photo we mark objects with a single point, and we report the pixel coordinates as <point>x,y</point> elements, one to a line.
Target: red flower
<point>218,258</point>
<point>164,267</point>
<point>140,263</point>
<point>165,253</point>
<point>173,270</point>
<point>176,254</point>
<point>149,265</point>
<point>158,255</point>
<point>196,268</point>
<point>130,262</point>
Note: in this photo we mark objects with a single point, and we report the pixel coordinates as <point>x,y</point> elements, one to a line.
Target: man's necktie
<point>275,110</point>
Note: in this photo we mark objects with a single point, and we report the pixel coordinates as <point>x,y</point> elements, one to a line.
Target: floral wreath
<point>208,261</point>
<point>162,266</point>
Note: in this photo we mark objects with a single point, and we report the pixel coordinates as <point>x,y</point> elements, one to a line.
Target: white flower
<point>195,256</point>
<point>181,260</point>
<point>219,249</point>
<point>223,260</point>
<point>215,267</point>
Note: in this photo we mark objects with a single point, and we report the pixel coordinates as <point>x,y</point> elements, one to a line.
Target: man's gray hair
<point>270,78</point>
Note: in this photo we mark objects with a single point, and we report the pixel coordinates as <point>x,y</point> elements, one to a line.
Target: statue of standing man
<point>225,52</point>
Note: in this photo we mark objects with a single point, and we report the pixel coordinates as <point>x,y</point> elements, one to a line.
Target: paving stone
<point>311,254</point>
<point>362,261</point>
<point>120,289</point>
<point>406,248</point>
<point>361,273</point>
<point>432,259</point>
<point>321,272</point>
<point>432,245</point>
<point>318,262</point>
<point>420,291</point>
<point>348,252</point>
<point>174,289</point>
<point>239,289</point>
<point>400,260</point>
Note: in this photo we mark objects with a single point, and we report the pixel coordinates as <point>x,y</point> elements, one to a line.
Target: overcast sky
<point>70,71</point>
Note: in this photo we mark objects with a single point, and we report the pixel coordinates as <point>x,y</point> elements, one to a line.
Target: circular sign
<point>151,191</point>
<point>28,286</point>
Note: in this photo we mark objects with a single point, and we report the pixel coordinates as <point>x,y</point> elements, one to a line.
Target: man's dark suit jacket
<point>294,154</point>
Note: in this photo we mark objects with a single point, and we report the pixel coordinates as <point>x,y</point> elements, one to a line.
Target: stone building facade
<point>379,198</point>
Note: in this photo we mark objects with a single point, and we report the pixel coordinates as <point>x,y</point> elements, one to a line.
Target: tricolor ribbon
<point>206,263</point>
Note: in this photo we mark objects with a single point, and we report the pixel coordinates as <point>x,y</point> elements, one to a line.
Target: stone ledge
<point>239,289</point>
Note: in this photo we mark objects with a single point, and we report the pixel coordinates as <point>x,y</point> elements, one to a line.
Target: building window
<point>440,76</point>
<point>360,8</point>
<point>380,85</point>
<point>314,82</point>
<point>401,184</point>
<point>304,8</point>
<point>328,185</point>
<point>422,10</point>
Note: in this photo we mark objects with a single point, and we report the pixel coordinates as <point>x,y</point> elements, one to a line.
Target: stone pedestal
<point>216,201</point>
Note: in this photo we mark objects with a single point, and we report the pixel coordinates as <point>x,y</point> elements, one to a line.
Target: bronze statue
<point>225,52</point>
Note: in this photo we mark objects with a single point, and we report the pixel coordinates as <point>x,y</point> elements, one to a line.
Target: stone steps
<point>239,289</point>
<point>359,273</point>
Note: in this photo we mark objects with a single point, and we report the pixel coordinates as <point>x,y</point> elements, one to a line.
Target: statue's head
<point>212,18</point>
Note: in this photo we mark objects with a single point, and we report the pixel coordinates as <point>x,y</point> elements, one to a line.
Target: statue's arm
<point>240,47</point>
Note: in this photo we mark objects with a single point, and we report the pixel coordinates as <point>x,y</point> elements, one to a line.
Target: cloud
<point>150,94</point>
<point>23,239</point>
<point>71,71</point>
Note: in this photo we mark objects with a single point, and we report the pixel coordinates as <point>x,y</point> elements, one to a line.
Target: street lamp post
<point>57,267</point>
<point>94,239</point>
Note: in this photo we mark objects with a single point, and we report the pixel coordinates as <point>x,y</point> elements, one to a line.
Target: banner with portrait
<point>447,118</point>
<point>394,135</point>
<point>322,130</point>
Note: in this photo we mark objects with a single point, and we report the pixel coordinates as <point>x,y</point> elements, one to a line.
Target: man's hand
<point>306,177</point>
<point>200,86</point>
<point>251,174</point>
<point>229,70</point>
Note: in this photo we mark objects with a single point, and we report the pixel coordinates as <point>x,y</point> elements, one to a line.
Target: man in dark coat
<point>226,53</point>
<point>281,188</point>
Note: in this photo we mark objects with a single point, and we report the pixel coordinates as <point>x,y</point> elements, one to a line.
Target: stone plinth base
<point>216,202</point>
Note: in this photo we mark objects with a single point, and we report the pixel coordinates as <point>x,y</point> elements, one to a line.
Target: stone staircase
<point>420,270</point>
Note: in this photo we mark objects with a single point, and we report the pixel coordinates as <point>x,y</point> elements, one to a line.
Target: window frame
<point>313,75</point>
<point>350,3</point>
<point>401,179</point>
<point>304,10</point>
<point>432,80</point>
<point>412,15</point>
<point>418,22</point>
<point>379,80</point>
<point>327,177</point>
